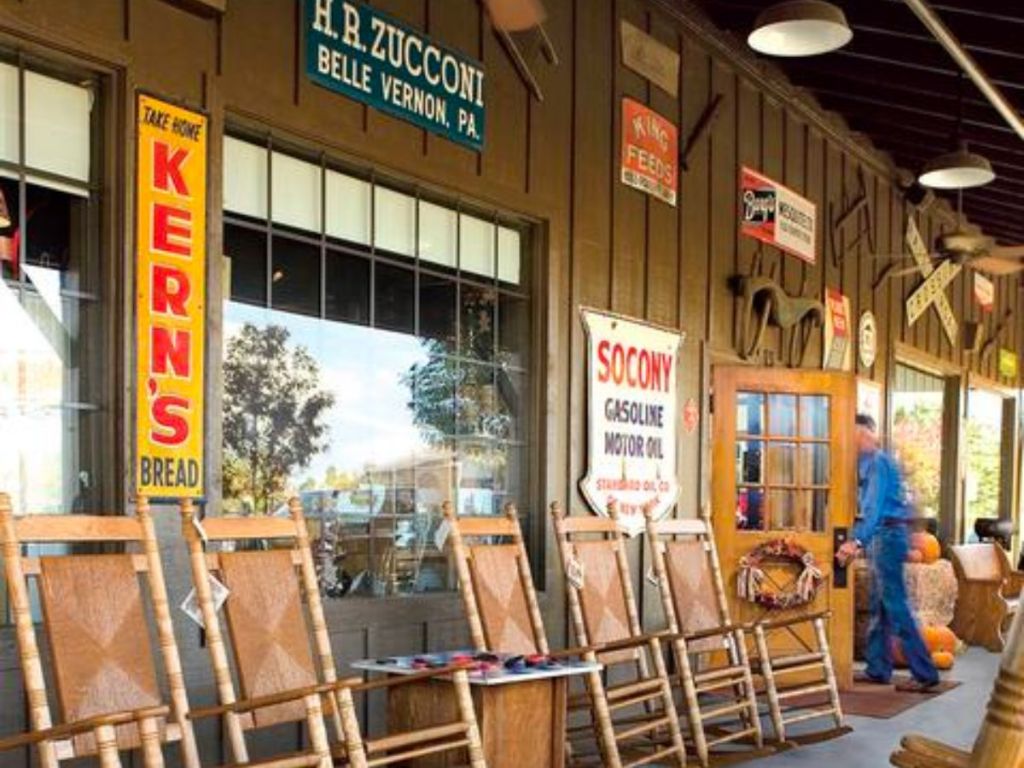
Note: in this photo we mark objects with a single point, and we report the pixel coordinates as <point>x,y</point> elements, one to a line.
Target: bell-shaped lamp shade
<point>5,213</point>
<point>515,15</point>
<point>959,169</point>
<point>799,28</point>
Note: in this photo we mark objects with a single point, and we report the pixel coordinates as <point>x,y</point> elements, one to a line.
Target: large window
<point>56,453</point>
<point>985,458</point>
<point>375,363</point>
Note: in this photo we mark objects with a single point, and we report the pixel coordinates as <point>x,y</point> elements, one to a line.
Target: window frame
<point>531,233</point>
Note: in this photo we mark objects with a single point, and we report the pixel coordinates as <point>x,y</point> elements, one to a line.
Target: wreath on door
<point>752,582</point>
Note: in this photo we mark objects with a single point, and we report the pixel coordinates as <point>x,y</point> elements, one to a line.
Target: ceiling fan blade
<point>996,266</point>
<point>515,15</point>
<point>915,270</point>
<point>1007,252</point>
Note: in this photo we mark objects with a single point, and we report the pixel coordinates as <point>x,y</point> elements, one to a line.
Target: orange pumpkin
<point>915,556</point>
<point>939,639</point>
<point>942,659</point>
<point>928,546</point>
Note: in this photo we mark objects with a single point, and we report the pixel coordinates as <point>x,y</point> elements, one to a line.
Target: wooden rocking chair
<point>94,619</point>
<point>272,605</point>
<point>604,611</point>
<point>503,615</point>
<point>693,598</point>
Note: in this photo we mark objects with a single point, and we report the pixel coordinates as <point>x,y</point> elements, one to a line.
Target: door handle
<point>840,535</point>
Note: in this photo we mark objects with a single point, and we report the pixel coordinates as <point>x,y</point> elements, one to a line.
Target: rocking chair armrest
<point>67,730</point>
<point>724,629</point>
<point>613,645</point>
<point>272,699</point>
<point>394,680</point>
<point>771,624</point>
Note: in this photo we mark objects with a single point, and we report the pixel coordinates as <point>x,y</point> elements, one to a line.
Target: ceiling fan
<point>966,246</point>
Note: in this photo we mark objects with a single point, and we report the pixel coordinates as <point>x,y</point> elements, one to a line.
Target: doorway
<point>988,462</point>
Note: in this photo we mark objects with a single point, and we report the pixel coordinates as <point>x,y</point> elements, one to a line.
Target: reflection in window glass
<point>917,404</point>
<point>781,463</point>
<point>782,415</point>
<point>749,462</point>
<point>814,416</point>
<point>384,402</point>
<point>749,413</point>
<point>814,464</point>
<point>750,509</point>
<point>784,509</point>
<point>983,480</point>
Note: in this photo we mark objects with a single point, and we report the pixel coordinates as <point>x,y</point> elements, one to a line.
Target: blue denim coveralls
<point>882,531</point>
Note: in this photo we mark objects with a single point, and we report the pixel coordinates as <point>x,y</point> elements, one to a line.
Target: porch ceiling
<point>898,86</point>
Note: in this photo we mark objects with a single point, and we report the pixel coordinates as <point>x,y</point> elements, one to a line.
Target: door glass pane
<point>782,463</point>
<point>750,509</point>
<point>984,458</point>
<point>749,413</point>
<point>819,510</point>
<point>917,404</point>
<point>814,464</point>
<point>783,507</point>
<point>782,415</point>
<point>749,461</point>
<point>814,416</point>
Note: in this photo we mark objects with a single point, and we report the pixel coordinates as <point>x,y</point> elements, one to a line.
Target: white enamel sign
<point>633,417</point>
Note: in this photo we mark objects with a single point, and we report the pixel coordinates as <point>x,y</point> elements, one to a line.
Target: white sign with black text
<point>633,417</point>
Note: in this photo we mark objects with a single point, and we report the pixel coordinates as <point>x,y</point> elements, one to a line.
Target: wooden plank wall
<point>600,244</point>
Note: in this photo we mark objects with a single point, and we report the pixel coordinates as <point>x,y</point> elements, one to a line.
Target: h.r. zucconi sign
<point>170,298</point>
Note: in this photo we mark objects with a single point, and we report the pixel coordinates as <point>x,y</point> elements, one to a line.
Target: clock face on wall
<point>867,339</point>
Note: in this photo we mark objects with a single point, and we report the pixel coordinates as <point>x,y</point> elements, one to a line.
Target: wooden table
<point>521,716</point>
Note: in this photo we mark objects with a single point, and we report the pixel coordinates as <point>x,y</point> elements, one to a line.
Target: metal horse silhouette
<point>764,301</point>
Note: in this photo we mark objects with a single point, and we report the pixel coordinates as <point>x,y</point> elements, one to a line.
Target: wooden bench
<point>989,593</point>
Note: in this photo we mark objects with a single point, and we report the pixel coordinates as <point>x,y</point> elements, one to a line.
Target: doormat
<point>878,701</point>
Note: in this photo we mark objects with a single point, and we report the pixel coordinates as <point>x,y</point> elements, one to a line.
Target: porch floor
<point>953,717</point>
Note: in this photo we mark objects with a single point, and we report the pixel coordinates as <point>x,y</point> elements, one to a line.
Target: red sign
<point>984,292</point>
<point>650,151</point>
<point>777,215</point>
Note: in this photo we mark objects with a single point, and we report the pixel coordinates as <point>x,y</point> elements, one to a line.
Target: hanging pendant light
<point>959,169</point>
<point>800,28</point>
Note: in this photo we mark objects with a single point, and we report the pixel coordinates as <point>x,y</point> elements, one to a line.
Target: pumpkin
<point>927,545</point>
<point>942,659</point>
<point>915,556</point>
<point>939,639</point>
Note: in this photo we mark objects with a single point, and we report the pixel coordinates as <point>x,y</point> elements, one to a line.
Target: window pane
<point>394,297</point>
<point>8,113</point>
<point>476,246</point>
<point>295,192</point>
<point>985,461</point>
<point>477,318</point>
<point>437,310</point>
<point>56,238</point>
<point>513,399</point>
<point>348,208</point>
<point>433,396</point>
<point>438,234</point>
<point>750,509</point>
<point>295,279</point>
<point>57,135</point>
<point>245,178</point>
<point>781,463</point>
<point>917,406</point>
<point>513,330</point>
<point>247,249</point>
<point>814,466</point>
<point>749,413</point>
<point>784,509</point>
<point>394,227</point>
<point>509,256</point>
<point>347,291</point>
<point>782,415</point>
<point>814,416</point>
<point>477,405</point>
<point>750,462</point>
<point>819,510</point>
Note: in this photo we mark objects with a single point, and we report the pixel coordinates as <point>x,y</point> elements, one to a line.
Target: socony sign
<point>170,298</point>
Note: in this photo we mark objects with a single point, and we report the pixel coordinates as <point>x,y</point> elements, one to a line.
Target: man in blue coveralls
<point>882,533</point>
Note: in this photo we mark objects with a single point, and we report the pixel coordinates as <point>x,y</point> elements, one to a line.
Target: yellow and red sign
<point>170,298</point>
<point>650,151</point>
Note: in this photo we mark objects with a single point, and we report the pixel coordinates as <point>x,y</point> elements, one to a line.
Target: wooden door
<point>784,467</point>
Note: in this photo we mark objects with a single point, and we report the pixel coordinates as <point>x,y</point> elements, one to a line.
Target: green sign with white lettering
<point>354,49</point>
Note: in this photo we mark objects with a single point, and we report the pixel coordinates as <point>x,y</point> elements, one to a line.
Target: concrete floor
<point>953,717</point>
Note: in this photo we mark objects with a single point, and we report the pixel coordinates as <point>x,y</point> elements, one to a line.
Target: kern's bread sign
<point>633,417</point>
<point>777,215</point>
<point>170,298</point>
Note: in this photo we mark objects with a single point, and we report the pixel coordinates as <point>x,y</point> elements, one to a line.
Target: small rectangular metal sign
<point>355,50</point>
